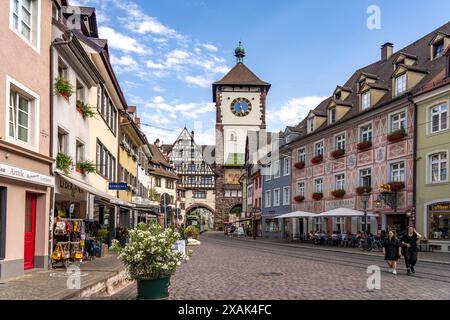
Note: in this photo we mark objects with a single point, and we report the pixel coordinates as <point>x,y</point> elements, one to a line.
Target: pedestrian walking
<point>392,251</point>
<point>409,243</point>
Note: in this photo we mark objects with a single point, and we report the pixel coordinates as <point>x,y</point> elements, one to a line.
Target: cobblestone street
<point>223,268</point>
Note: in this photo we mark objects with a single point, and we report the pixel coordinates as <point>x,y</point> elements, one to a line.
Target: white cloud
<point>120,42</point>
<point>158,88</point>
<point>124,61</point>
<point>210,47</point>
<point>295,110</point>
<point>158,99</point>
<point>199,81</point>
<point>176,57</point>
<point>152,65</point>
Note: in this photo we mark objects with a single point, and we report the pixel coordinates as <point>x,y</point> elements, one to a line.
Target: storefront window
<point>272,226</point>
<point>439,221</point>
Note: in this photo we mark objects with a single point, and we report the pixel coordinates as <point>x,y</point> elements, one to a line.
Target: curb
<point>332,250</point>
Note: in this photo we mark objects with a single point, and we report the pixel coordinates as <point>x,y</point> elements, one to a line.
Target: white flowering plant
<point>149,254</point>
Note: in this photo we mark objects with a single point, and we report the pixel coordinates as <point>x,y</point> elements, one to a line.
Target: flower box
<point>338,153</point>
<point>396,185</point>
<point>396,135</point>
<point>317,159</point>
<point>80,170</point>
<point>63,88</point>
<point>85,167</point>
<point>299,199</point>
<point>362,189</point>
<point>364,145</point>
<point>300,165</point>
<point>317,196</point>
<point>338,193</point>
<point>64,163</point>
<point>85,110</point>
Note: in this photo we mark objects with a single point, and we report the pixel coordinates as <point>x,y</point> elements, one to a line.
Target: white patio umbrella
<point>297,214</point>
<point>344,212</point>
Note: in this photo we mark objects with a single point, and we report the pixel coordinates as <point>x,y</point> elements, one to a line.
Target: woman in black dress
<point>392,251</point>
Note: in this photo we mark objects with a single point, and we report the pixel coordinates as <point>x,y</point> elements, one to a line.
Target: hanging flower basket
<point>361,190</point>
<point>396,185</point>
<point>86,167</point>
<point>397,135</point>
<point>338,193</point>
<point>300,165</point>
<point>317,196</point>
<point>338,153</point>
<point>317,159</point>
<point>364,145</point>
<point>86,110</point>
<point>299,199</point>
<point>63,88</point>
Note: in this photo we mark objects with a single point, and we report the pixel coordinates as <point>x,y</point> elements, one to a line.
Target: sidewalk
<point>434,257</point>
<point>99,275</point>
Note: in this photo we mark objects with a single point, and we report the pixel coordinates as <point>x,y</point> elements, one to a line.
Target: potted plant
<point>396,185</point>
<point>63,88</point>
<point>191,232</point>
<point>84,167</point>
<point>362,189</point>
<point>64,162</point>
<point>317,196</point>
<point>396,135</point>
<point>86,110</point>
<point>338,153</point>
<point>364,145</point>
<point>300,165</point>
<point>299,198</point>
<point>317,159</point>
<point>150,259</point>
<point>338,193</point>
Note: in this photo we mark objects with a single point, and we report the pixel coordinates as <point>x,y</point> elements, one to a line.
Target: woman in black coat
<point>392,251</point>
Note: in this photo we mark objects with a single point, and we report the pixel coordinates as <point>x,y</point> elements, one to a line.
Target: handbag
<point>60,228</point>
<point>57,254</point>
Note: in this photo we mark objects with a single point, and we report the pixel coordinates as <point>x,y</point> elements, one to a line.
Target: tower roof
<point>241,75</point>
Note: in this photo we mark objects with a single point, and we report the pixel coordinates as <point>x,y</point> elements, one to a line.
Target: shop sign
<point>440,207</point>
<point>68,188</point>
<point>336,204</point>
<point>180,247</point>
<point>25,175</point>
<point>118,186</point>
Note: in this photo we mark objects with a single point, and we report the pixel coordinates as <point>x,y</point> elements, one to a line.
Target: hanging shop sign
<point>118,186</point>
<point>440,207</point>
<point>69,189</point>
<point>336,204</point>
<point>25,175</point>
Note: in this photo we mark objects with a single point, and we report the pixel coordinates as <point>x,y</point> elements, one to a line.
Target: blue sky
<point>166,53</point>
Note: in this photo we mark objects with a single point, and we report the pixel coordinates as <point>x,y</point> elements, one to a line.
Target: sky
<point>167,53</point>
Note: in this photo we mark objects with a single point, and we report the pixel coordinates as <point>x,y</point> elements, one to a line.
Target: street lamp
<point>365,198</point>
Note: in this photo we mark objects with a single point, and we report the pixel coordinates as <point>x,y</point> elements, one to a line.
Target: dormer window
<point>338,95</point>
<point>365,100</point>
<point>400,84</point>
<point>311,124</point>
<point>332,115</point>
<point>438,49</point>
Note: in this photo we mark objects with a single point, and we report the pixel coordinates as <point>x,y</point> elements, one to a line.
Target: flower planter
<point>79,170</point>
<point>299,165</point>
<point>397,185</point>
<point>338,194</point>
<point>299,199</point>
<point>153,289</point>
<point>317,159</point>
<point>63,88</point>
<point>361,190</point>
<point>364,145</point>
<point>338,153</point>
<point>317,196</point>
<point>396,135</point>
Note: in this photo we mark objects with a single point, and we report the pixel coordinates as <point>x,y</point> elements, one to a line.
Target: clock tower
<point>240,99</point>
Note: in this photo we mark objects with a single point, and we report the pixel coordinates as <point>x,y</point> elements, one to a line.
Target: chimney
<point>157,142</point>
<point>387,50</point>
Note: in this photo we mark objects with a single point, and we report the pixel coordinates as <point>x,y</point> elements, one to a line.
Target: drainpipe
<point>411,100</point>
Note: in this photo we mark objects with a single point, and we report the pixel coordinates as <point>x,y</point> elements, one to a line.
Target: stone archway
<point>206,212</point>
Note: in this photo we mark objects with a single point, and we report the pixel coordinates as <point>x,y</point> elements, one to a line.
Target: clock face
<point>241,107</point>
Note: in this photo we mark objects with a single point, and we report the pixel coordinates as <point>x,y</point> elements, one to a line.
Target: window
<point>199,194</point>
<point>339,142</point>
<point>62,141</point>
<point>438,49</point>
<point>191,181</point>
<point>438,167</point>
<point>233,136</point>
<point>439,118</point>
<point>79,152</point>
<point>80,92</point>
<point>106,109</point>
<point>398,121</point>
<point>286,196</point>
<point>339,224</point>
<point>332,115</point>
<point>318,149</point>
<point>339,182</point>
<point>268,199</point>
<point>169,184</point>
<point>20,117</point>
<point>24,19</point>
<point>233,193</point>
<point>276,168</point>
<point>158,182</point>
<point>318,185</point>
<point>63,70</point>
<point>365,177</point>
<point>310,125</point>
<point>301,155</point>
<point>365,100</point>
<point>366,133</point>
<point>301,188</point>
<point>268,172</point>
<point>276,198</point>
<point>319,224</point>
<point>287,166</point>
<point>106,163</point>
<point>398,172</point>
<point>400,84</point>
<point>207,181</point>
